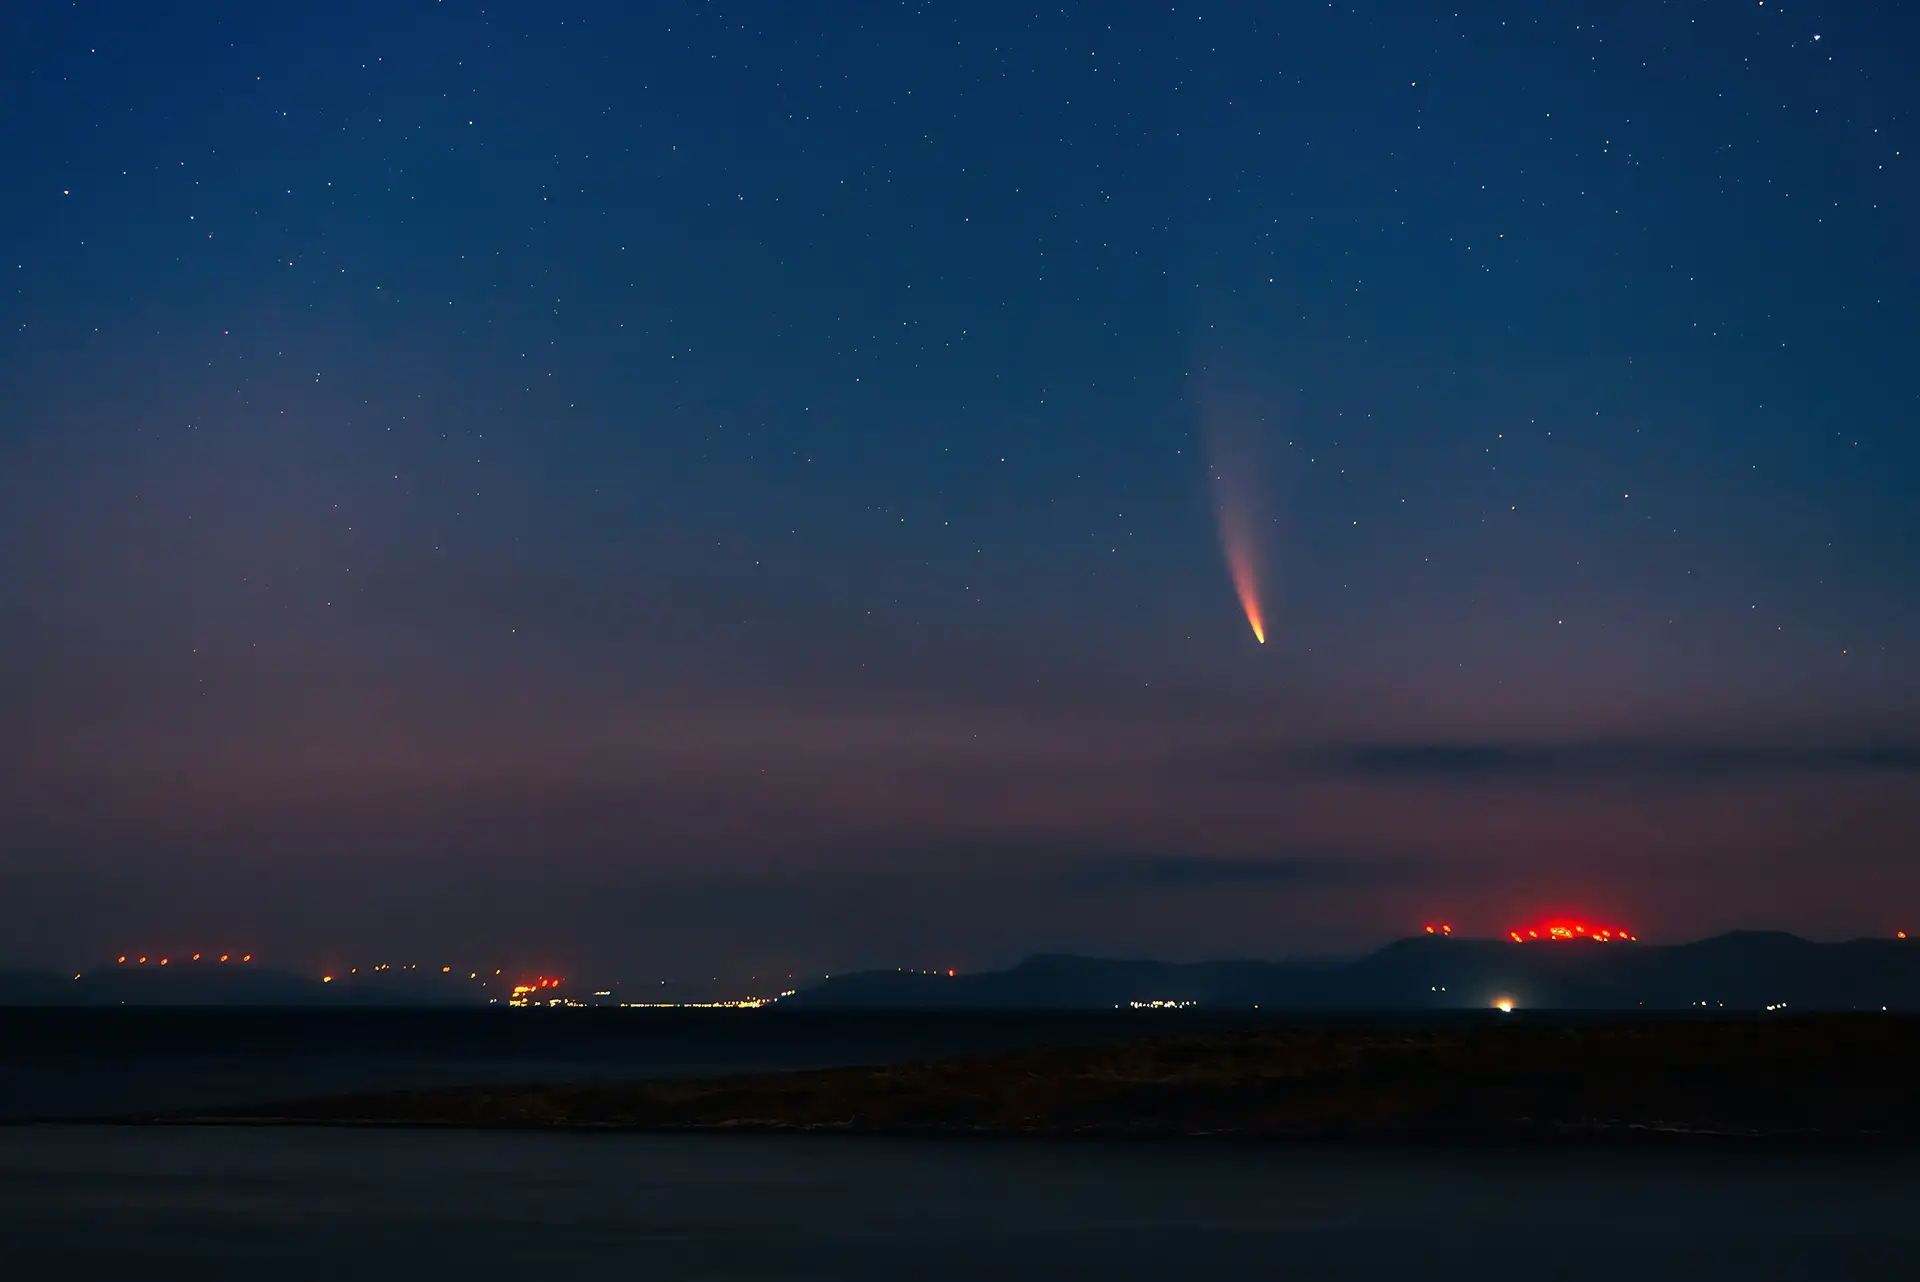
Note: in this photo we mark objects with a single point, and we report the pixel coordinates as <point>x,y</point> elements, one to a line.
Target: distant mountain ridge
<point>1745,970</point>
<point>216,985</point>
<point>1742,971</point>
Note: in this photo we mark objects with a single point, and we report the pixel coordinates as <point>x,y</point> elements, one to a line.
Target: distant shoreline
<point>1809,1079</point>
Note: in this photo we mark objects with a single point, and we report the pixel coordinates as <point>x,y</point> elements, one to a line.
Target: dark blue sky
<point>702,487</point>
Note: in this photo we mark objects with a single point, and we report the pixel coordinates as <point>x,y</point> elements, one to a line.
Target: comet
<point>1243,567</point>
<point>1233,454</point>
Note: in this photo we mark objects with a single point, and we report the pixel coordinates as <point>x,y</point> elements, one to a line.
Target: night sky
<point>708,488</point>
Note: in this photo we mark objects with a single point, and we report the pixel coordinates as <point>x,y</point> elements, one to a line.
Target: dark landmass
<point>1743,971</point>
<point>81,1062</point>
<point>209,983</point>
<point>1828,1077</point>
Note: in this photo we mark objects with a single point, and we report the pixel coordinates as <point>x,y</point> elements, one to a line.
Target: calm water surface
<point>84,1202</point>
<point>104,1202</point>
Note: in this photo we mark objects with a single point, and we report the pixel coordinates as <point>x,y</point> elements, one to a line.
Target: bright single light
<point>1504,1005</point>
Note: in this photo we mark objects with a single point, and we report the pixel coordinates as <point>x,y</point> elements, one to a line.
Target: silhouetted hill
<point>212,984</point>
<point>1746,970</point>
<point>33,988</point>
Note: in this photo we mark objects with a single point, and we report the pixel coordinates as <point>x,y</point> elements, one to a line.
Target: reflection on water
<point>105,1202</point>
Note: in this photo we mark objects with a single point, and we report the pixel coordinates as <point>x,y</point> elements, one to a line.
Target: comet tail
<point>1242,565</point>
<point>1232,440</point>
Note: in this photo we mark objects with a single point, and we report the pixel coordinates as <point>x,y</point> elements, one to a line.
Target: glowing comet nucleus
<point>1238,515</point>
<point>1242,566</point>
<point>1233,441</point>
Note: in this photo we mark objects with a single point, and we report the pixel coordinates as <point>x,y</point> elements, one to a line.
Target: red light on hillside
<point>1570,930</point>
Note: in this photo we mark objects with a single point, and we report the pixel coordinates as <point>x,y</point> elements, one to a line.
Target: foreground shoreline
<point>1599,1135</point>
<point>1818,1079</point>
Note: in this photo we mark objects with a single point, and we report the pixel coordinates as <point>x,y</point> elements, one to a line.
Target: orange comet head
<point>1241,567</point>
<point>1243,556</point>
<point>1234,466</point>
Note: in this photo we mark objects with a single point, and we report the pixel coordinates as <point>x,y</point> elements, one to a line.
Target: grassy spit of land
<point>1832,1077</point>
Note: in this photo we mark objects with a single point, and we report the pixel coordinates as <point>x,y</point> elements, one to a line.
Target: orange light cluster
<point>1563,930</point>
<point>121,960</point>
<point>520,990</point>
<point>1440,930</point>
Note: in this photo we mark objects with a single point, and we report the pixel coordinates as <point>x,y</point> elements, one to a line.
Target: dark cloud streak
<point>1648,760</point>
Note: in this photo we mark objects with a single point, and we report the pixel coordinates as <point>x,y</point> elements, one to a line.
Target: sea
<point>85,1196</point>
